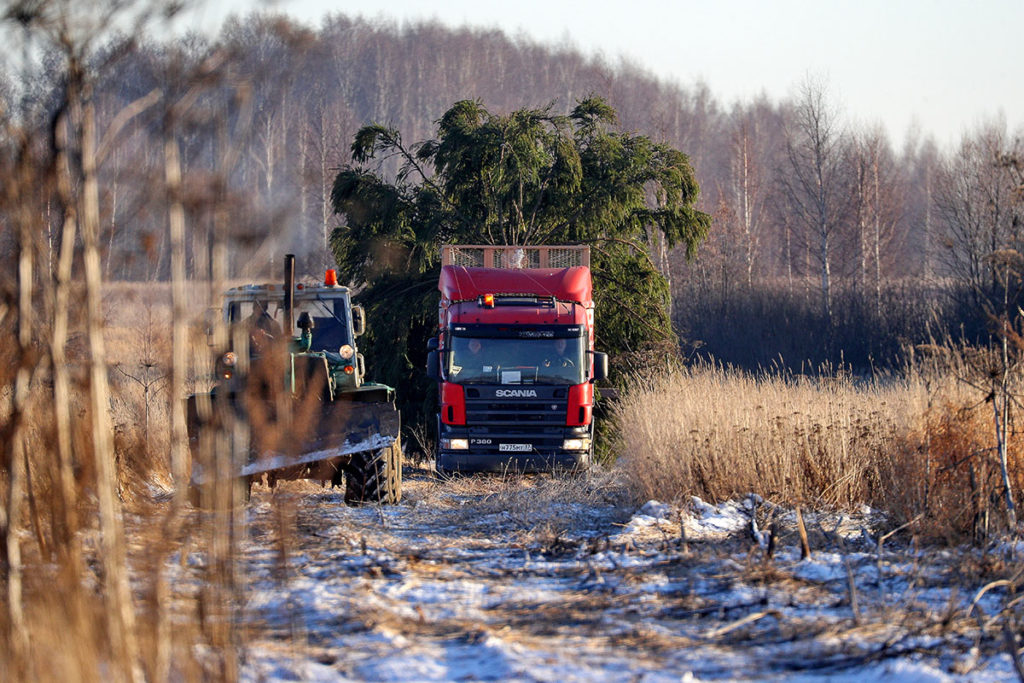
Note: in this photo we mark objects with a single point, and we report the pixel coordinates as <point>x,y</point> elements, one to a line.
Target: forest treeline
<point>829,242</point>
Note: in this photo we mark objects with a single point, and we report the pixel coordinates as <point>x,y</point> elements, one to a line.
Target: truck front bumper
<point>461,461</point>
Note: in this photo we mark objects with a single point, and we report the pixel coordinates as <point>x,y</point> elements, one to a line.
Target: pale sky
<point>946,65</point>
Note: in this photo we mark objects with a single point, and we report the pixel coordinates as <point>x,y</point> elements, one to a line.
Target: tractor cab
<point>327,321</point>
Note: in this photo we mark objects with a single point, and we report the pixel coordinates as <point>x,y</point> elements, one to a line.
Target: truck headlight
<point>346,351</point>
<point>576,444</point>
<point>455,444</point>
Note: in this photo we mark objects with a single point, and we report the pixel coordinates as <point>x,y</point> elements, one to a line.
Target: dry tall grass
<point>64,592</point>
<point>86,398</point>
<point>720,434</point>
<point>920,446</point>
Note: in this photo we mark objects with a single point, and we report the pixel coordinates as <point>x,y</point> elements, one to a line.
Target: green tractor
<point>287,406</point>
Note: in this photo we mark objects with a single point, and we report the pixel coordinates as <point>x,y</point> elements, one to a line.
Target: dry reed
<point>919,446</point>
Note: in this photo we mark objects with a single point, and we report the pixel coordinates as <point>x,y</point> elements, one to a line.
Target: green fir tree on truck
<point>531,177</point>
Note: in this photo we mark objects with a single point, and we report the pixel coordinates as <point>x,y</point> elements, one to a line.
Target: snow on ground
<point>495,580</point>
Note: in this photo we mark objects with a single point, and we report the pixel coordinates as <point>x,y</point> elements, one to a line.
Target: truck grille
<point>484,409</point>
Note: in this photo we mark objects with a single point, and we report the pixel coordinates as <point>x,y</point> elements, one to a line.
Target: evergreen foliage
<point>530,177</point>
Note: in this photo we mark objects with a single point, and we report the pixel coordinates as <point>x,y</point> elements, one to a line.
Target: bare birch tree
<point>747,189</point>
<point>974,201</point>
<point>815,181</point>
<point>877,207</point>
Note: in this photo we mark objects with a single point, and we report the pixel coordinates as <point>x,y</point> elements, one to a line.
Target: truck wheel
<point>443,473</point>
<point>375,476</point>
<point>576,471</point>
<point>437,471</point>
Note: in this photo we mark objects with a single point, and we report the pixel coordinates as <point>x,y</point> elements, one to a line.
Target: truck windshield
<point>476,360</point>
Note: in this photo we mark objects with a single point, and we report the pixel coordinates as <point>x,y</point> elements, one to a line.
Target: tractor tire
<point>375,476</point>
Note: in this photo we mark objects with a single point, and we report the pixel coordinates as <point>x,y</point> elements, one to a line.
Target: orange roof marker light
<point>331,278</point>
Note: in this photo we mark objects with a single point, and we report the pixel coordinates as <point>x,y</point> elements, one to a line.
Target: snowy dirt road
<point>540,579</point>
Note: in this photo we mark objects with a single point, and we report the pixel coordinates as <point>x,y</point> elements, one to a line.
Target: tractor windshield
<point>483,360</point>
<point>330,319</point>
<point>330,326</point>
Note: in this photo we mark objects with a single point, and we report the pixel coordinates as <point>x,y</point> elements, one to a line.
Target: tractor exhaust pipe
<point>289,294</point>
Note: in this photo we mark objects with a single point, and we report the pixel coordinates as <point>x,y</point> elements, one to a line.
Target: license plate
<point>515,447</point>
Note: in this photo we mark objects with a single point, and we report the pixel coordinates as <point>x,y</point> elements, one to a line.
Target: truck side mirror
<point>358,320</point>
<point>600,366</point>
<point>432,344</point>
<point>434,364</point>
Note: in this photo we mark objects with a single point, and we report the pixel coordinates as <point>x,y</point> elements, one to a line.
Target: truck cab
<point>514,359</point>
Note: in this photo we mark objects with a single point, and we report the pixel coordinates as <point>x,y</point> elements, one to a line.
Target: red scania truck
<point>514,359</point>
